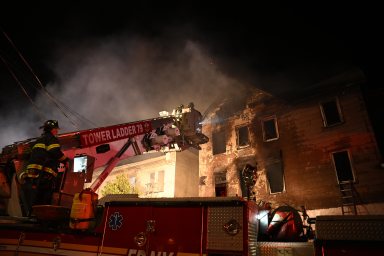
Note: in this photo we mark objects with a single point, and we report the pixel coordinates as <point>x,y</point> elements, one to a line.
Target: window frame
<point>156,182</point>
<point>160,181</point>
<point>263,121</point>
<point>237,130</point>
<point>350,164</point>
<point>270,168</point>
<point>221,183</point>
<point>324,115</point>
<point>132,182</point>
<point>213,142</point>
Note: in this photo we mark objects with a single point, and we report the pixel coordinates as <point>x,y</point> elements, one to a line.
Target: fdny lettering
<point>134,252</point>
<point>113,133</point>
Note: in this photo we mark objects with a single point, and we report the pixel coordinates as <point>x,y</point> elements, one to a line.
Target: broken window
<point>218,142</point>
<point>275,172</point>
<point>269,127</point>
<point>221,183</point>
<point>343,167</point>
<point>331,112</point>
<point>242,136</point>
<point>275,176</point>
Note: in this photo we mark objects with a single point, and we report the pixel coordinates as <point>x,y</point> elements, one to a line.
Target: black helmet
<point>50,124</point>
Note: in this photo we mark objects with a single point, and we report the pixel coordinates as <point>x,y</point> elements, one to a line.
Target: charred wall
<point>303,156</point>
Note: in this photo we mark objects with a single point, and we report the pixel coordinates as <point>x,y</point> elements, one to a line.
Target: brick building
<point>304,148</point>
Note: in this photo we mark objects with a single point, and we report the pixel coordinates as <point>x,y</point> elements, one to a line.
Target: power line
<point>61,106</point>
<point>39,113</point>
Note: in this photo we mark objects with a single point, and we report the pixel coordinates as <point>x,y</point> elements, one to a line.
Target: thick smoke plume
<point>121,80</point>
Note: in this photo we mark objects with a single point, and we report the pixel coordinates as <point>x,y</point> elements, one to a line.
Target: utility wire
<point>55,101</point>
<point>37,79</point>
<point>79,116</point>
<point>39,113</point>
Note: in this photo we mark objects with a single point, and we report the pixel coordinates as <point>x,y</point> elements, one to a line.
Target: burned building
<point>305,149</point>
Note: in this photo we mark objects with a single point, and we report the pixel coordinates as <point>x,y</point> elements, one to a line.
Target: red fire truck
<point>140,227</point>
<point>123,224</point>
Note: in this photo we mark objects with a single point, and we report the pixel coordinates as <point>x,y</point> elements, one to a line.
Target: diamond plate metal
<point>217,238</point>
<point>252,238</point>
<point>285,248</point>
<point>116,197</point>
<point>359,228</point>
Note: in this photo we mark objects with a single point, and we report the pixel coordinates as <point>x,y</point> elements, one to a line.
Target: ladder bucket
<point>83,210</point>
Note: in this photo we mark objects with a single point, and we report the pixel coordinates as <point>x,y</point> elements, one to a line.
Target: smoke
<point>119,80</point>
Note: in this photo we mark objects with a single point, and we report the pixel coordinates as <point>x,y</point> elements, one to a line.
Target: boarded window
<point>343,166</point>
<point>242,136</point>
<point>218,142</point>
<point>270,130</point>
<point>275,176</point>
<point>331,113</point>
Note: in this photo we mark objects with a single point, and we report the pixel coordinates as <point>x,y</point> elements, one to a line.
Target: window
<point>160,181</point>
<point>132,182</point>
<point>331,112</point>
<point>220,183</point>
<point>275,176</point>
<point>242,137</point>
<point>218,142</point>
<point>156,181</point>
<point>152,178</point>
<point>343,167</point>
<point>269,127</point>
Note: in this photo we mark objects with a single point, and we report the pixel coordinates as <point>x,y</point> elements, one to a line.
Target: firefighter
<point>196,117</point>
<point>41,176</point>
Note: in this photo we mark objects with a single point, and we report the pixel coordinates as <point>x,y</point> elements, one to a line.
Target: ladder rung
<point>348,204</point>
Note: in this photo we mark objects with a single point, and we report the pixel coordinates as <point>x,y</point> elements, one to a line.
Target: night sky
<point>108,63</point>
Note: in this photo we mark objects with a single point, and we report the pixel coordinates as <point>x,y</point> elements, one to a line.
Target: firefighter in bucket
<point>41,177</point>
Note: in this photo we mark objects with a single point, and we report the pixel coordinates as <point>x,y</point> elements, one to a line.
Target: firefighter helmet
<point>50,124</point>
<point>21,177</point>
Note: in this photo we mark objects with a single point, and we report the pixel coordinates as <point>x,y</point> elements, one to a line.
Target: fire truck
<point>80,223</point>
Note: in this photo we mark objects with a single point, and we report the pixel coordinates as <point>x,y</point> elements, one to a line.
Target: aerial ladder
<point>104,147</point>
